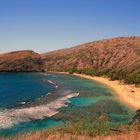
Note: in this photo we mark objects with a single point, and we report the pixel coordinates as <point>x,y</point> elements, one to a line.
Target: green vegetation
<point>113,74</point>
<point>86,126</point>
<point>99,126</point>
<point>83,127</point>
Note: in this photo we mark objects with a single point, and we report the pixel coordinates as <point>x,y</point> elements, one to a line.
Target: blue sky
<point>45,25</point>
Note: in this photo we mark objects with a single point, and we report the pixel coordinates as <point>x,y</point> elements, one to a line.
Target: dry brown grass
<point>44,135</point>
<point>79,131</point>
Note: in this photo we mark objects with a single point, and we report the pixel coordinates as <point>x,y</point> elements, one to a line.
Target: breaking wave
<point>51,82</point>
<point>10,117</point>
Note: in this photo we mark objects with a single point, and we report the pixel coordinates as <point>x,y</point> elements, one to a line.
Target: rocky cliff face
<point>21,61</point>
<point>117,53</point>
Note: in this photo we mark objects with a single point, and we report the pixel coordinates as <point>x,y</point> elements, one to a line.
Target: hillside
<point>20,61</point>
<point>120,56</point>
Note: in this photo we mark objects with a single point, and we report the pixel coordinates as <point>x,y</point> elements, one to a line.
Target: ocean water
<point>35,101</point>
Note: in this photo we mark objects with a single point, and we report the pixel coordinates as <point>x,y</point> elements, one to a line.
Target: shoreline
<point>127,94</point>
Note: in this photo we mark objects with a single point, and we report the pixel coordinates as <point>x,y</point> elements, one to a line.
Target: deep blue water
<point>15,88</point>
<point>94,98</point>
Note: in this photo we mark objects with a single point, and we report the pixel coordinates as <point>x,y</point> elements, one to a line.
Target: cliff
<point>21,61</point>
<point>118,53</point>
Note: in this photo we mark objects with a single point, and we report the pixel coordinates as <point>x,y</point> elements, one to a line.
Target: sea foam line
<point>10,117</point>
<point>51,82</point>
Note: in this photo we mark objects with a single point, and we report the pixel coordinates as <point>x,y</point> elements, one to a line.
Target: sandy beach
<point>127,94</point>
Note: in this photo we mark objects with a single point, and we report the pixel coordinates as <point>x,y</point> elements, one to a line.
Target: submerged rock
<point>136,118</point>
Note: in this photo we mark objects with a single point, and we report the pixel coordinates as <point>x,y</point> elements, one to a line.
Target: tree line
<point>113,74</point>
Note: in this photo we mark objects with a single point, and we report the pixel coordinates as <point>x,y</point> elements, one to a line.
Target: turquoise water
<point>81,101</point>
<point>33,88</point>
<point>31,126</point>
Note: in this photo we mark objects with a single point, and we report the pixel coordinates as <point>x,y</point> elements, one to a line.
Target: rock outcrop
<point>21,61</point>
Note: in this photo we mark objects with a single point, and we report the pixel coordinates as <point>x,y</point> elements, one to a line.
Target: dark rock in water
<point>136,118</point>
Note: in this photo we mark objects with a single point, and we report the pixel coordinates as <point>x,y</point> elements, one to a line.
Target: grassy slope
<point>59,136</point>
<point>100,130</point>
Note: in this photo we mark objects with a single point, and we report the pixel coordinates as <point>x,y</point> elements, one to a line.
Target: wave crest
<point>10,117</point>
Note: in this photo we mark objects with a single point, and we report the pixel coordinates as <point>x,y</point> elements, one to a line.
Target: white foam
<point>22,103</point>
<point>9,117</point>
<point>51,82</point>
